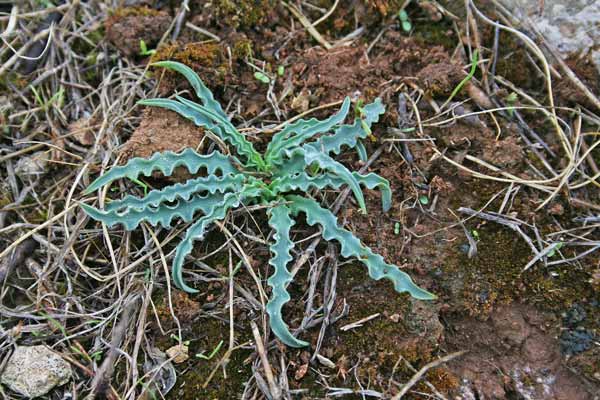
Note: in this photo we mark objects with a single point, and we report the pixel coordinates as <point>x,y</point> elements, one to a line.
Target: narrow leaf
<point>163,214</point>
<point>211,184</point>
<point>203,93</point>
<point>352,247</point>
<point>349,135</point>
<point>362,151</point>
<point>185,111</point>
<point>304,182</point>
<point>166,163</point>
<point>280,221</point>
<point>313,155</point>
<point>298,132</point>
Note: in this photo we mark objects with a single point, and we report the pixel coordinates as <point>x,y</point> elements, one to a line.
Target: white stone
<point>33,371</point>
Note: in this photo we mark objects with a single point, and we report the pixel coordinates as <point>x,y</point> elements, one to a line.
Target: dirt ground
<point>470,171</point>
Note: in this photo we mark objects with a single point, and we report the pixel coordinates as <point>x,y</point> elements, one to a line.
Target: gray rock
<point>33,371</point>
<point>570,25</point>
<point>35,164</point>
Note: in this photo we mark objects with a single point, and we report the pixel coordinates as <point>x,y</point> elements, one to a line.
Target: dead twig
<point>260,348</point>
<point>423,371</point>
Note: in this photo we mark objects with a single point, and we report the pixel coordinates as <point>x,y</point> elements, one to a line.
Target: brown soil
<point>128,26</point>
<point>440,79</point>
<point>161,130</point>
<point>514,354</point>
<point>508,321</point>
<point>329,76</point>
<point>569,95</point>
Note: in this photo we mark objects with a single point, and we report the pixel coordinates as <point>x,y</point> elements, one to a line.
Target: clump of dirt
<point>161,130</point>
<point>399,328</point>
<point>127,26</point>
<point>507,152</point>
<point>330,75</point>
<point>206,59</point>
<point>523,357</point>
<point>480,140</point>
<point>184,307</point>
<point>440,79</point>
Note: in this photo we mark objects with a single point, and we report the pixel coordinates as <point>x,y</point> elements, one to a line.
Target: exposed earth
<point>481,214</point>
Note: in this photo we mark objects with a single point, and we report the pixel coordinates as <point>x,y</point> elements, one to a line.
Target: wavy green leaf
<point>352,247</point>
<point>166,163</point>
<point>349,135</point>
<point>211,184</point>
<point>198,230</point>
<point>298,132</point>
<point>304,182</point>
<point>314,156</point>
<point>163,214</point>
<point>280,221</point>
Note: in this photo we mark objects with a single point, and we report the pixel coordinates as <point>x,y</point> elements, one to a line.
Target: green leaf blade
<point>304,182</point>
<point>281,222</point>
<point>349,135</point>
<point>352,247</point>
<point>297,133</point>
<point>203,93</point>
<point>211,184</point>
<point>162,215</point>
<point>185,111</point>
<point>313,155</point>
<point>166,163</point>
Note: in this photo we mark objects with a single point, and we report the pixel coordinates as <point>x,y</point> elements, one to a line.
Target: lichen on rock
<point>33,371</point>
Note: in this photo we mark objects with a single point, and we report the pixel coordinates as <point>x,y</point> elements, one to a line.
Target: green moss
<point>125,12</point>
<point>495,276</point>
<point>242,49</point>
<point>189,54</point>
<point>243,14</point>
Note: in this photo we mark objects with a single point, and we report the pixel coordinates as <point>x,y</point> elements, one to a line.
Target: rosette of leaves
<point>298,159</point>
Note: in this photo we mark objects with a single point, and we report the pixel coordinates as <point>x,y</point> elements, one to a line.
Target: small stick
<point>101,381</point>
<point>429,384</point>
<point>202,31</point>
<point>327,14</point>
<point>275,392</point>
<point>423,370</point>
<point>359,323</point>
<point>308,25</point>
